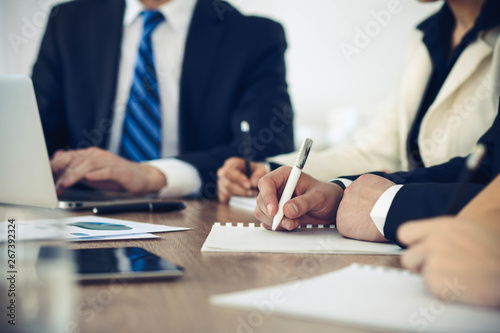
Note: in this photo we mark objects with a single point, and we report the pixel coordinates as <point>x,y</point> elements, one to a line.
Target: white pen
<point>292,180</point>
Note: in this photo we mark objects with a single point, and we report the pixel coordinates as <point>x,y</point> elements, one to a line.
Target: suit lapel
<point>105,31</point>
<point>414,82</point>
<point>465,66</point>
<point>202,47</point>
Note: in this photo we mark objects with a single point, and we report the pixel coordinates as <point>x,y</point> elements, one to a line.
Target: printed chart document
<point>240,238</point>
<point>368,296</point>
<point>84,228</point>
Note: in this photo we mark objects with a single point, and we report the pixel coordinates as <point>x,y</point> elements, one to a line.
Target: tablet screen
<point>115,263</point>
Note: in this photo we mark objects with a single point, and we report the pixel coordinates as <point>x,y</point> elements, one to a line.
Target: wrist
<point>155,179</point>
<point>335,195</point>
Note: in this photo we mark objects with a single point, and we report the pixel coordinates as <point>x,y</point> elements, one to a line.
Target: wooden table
<point>183,305</point>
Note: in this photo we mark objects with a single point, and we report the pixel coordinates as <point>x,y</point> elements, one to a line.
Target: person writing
<point>447,98</point>
<point>356,210</point>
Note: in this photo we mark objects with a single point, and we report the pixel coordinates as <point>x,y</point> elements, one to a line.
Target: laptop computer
<point>25,173</point>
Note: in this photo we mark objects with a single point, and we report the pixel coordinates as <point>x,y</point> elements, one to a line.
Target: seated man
<point>462,250</point>
<point>165,81</point>
<point>446,100</point>
<point>373,207</point>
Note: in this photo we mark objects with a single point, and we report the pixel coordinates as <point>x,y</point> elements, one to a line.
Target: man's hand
<point>353,216</point>
<point>458,259</point>
<point>232,179</point>
<point>102,169</point>
<point>314,202</point>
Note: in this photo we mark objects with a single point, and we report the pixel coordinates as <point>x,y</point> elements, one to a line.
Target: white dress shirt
<point>169,39</point>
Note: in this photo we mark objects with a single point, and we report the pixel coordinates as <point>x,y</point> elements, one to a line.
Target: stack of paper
<point>84,228</point>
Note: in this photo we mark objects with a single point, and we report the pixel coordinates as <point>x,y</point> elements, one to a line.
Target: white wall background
<point>331,93</point>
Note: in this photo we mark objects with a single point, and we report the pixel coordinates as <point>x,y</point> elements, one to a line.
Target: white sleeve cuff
<point>344,181</point>
<point>182,178</point>
<point>381,208</point>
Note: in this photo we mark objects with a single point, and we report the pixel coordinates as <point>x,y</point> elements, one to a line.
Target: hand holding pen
<point>239,175</point>
<point>292,180</point>
<point>314,202</point>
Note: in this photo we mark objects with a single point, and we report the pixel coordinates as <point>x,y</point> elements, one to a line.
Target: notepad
<point>240,238</point>
<point>368,296</point>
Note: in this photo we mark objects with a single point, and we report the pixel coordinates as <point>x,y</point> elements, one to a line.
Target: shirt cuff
<point>344,181</point>
<point>381,208</point>
<point>182,178</point>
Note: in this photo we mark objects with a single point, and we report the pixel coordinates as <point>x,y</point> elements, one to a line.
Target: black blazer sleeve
<point>75,73</point>
<point>427,191</point>
<point>263,101</point>
<point>48,83</point>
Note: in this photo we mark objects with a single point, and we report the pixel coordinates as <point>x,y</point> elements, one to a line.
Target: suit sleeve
<point>427,191</point>
<point>264,102</point>
<point>423,200</point>
<point>48,83</point>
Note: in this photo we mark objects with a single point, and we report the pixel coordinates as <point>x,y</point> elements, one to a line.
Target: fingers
<point>74,173</point>
<point>262,213</point>
<point>61,160</point>
<point>231,180</point>
<point>286,225</point>
<point>298,206</point>
<point>61,165</point>
<point>226,190</point>
<point>267,201</point>
<point>232,172</point>
<point>77,165</point>
<point>258,171</point>
<point>269,185</point>
<point>235,187</point>
<point>222,195</point>
<point>421,240</point>
<point>100,174</point>
<point>414,258</point>
<point>413,232</point>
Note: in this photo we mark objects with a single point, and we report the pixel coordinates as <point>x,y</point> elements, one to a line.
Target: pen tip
<point>245,127</point>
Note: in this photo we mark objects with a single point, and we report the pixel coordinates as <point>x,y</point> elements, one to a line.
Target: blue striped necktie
<point>142,136</point>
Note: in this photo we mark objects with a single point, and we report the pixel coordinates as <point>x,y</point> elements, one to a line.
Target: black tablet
<point>130,263</point>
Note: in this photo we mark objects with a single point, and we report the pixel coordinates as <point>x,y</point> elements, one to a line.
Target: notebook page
<point>228,238</point>
<point>368,296</point>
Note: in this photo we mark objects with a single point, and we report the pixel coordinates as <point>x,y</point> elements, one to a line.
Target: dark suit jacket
<point>233,70</point>
<point>427,191</point>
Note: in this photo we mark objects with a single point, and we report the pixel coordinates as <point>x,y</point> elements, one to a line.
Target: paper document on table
<point>229,238</point>
<point>115,238</point>
<point>369,296</point>
<point>82,228</point>
<point>246,203</point>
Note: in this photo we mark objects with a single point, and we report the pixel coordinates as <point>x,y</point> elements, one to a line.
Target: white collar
<point>177,12</point>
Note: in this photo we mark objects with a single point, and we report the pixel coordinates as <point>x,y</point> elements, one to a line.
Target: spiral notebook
<point>367,296</point>
<point>251,238</point>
